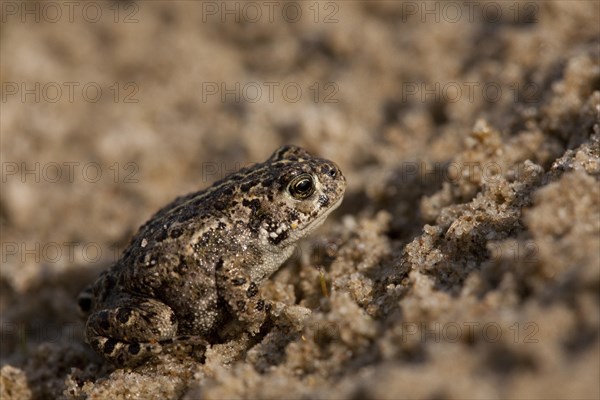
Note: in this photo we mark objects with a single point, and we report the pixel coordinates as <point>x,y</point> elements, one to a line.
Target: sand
<point>463,263</point>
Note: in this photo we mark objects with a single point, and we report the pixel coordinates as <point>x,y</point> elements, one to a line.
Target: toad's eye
<point>302,186</point>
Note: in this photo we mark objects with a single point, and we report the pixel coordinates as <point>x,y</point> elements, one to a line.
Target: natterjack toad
<point>199,262</point>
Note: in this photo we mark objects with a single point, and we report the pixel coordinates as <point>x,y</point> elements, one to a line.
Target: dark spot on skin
<point>161,235</point>
<point>134,348</point>
<point>123,315</point>
<point>284,178</point>
<point>201,357</point>
<point>175,233</point>
<point>220,205</point>
<point>267,182</point>
<point>109,282</point>
<point>222,226</point>
<point>237,177</point>
<point>254,225</point>
<point>182,266</point>
<point>149,316</point>
<point>238,281</point>
<point>103,320</point>
<point>257,215</point>
<point>85,304</point>
<point>219,264</point>
<point>323,200</point>
<point>95,344</point>
<point>329,170</point>
<point>268,307</point>
<point>188,213</point>
<point>279,238</point>
<point>260,305</point>
<point>252,290</point>
<point>198,202</point>
<point>109,346</point>
<point>245,187</point>
<point>253,204</point>
<point>241,305</point>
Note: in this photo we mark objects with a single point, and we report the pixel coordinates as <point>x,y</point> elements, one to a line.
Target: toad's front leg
<point>241,294</point>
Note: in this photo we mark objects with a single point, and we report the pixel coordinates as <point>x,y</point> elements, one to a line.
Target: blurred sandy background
<point>464,262</point>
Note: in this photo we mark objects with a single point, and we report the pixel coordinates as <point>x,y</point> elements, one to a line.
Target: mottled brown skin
<point>199,262</point>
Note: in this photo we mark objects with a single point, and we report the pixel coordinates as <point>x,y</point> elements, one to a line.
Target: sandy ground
<point>463,263</point>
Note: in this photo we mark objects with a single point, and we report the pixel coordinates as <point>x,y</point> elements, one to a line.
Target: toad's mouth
<point>319,220</point>
<point>298,233</point>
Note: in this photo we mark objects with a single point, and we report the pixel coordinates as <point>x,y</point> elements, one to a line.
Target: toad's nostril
<point>333,172</point>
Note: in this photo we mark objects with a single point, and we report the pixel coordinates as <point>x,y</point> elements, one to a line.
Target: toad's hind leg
<point>127,354</point>
<point>130,330</point>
